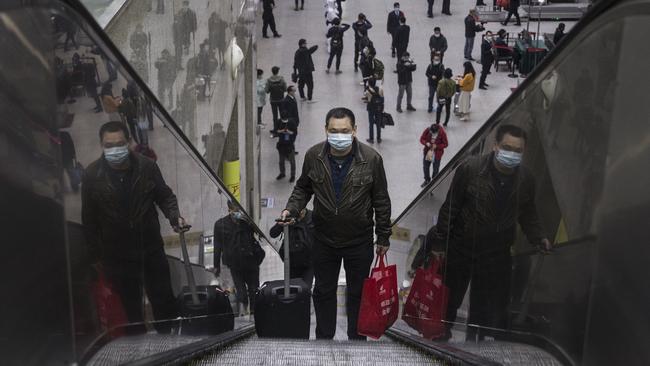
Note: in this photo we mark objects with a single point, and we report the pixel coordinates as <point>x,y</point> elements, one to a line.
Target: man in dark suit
<point>303,65</point>
<point>487,59</point>
<point>268,18</point>
<point>402,34</point>
<point>289,107</point>
<point>393,23</point>
<point>287,133</point>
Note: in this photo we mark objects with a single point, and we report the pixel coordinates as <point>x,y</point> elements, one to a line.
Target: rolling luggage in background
<point>205,309</point>
<point>282,308</point>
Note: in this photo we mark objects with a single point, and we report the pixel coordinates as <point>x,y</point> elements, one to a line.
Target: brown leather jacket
<point>348,222</point>
<point>468,217</point>
<point>110,234</point>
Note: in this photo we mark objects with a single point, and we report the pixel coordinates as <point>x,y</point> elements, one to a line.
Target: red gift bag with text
<point>379,303</point>
<point>426,304</point>
<point>109,307</point>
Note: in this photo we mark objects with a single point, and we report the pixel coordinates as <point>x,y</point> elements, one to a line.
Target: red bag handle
<point>380,259</point>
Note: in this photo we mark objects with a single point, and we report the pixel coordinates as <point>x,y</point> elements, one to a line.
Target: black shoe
<point>517,24</point>
<point>302,7</point>
<point>292,179</point>
<point>277,35</point>
<point>504,23</point>
<point>379,140</point>
<point>280,176</point>
<point>370,141</point>
<point>429,110</point>
<point>426,182</point>
<point>265,36</point>
<point>430,15</point>
<point>447,13</point>
<point>296,9</point>
<point>399,110</point>
<point>445,124</point>
<point>482,87</point>
<point>486,84</point>
<point>410,108</point>
<point>295,153</point>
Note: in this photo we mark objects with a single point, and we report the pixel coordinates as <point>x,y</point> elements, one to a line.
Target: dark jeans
<point>357,52</point>
<point>246,281</point>
<point>447,107</point>
<point>373,121</point>
<point>426,167</point>
<point>302,3</point>
<point>432,93</point>
<point>489,275</point>
<point>306,79</point>
<point>259,115</point>
<point>510,13</point>
<point>128,279</point>
<point>445,6</point>
<point>335,52</point>
<point>485,69</point>
<point>268,21</point>
<point>287,155</point>
<point>430,7</point>
<point>275,110</point>
<point>327,264</point>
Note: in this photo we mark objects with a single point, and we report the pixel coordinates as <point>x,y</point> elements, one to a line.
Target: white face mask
<point>436,62</point>
<point>508,159</point>
<point>116,155</point>
<point>339,141</point>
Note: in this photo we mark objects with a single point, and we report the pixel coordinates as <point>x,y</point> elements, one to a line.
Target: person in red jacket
<point>434,140</point>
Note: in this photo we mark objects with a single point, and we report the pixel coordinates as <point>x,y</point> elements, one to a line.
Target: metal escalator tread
<point>256,351</point>
<point>127,349</point>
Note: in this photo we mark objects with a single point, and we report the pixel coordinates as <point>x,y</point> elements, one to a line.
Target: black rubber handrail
<point>595,11</point>
<point>562,245</point>
<point>440,350</point>
<point>184,354</point>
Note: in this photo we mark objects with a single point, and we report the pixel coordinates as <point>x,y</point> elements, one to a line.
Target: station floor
<point>400,148</point>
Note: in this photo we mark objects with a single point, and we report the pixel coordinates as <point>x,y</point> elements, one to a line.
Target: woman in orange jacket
<point>466,84</point>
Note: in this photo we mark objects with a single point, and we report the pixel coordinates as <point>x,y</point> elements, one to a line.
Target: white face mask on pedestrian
<point>340,141</point>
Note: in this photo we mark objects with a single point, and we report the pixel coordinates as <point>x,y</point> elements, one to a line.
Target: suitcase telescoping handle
<point>188,266</point>
<point>287,261</point>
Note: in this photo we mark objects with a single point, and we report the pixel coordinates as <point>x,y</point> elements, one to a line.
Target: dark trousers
<point>447,106</point>
<point>374,122</point>
<point>432,93</point>
<point>430,7</point>
<point>128,279</point>
<point>92,92</point>
<point>445,6</point>
<point>275,110</point>
<point>287,154</point>
<point>306,79</point>
<point>335,52</point>
<point>268,21</point>
<point>340,8</point>
<point>426,165</point>
<point>327,264</point>
<point>246,283</point>
<point>510,13</point>
<point>392,42</point>
<point>400,51</point>
<point>489,275</point>
<point>302,4</point>
<point>160,8</point>
<point>485,69</point>
<point>357,52</point>
<point>259,115</point>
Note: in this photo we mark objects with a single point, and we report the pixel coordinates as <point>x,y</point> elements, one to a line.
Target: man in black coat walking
<point>392,24</point>
<point>513,9</point>
<point>287,133</point>
<point>268,18</point>
<point>360,27</point>
<point>487,59</point>
<point>402,35</point>
<point>303,65</point>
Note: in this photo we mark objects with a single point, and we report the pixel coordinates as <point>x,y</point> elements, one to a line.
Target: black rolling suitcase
<point>282,308</point>
<point>204,309</point>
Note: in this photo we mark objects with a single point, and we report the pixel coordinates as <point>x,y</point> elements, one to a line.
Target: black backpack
<point>244,251</point>
<point>276,89</point>
<point>300,247</point>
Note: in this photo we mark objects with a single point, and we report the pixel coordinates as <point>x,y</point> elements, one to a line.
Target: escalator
<point>585,112</point>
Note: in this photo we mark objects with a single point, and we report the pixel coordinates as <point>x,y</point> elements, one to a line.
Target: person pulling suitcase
<point>283,307</point>
<point>302,239</point>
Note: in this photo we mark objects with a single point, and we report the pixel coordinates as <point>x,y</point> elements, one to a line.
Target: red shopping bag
<point>109,307</point>
<point>503,3</point>
<point>426,304</point>
<point>379,302</point>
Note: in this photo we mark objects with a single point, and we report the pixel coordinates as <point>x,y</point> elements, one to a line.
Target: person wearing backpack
<point>336,43</point>
<point>434,140</point>
<point>301,239</point>
<point>375,96</point>
<point>446,89</point>
<point>236,247</point>
<point>275,86</point>
<point>303,66</point>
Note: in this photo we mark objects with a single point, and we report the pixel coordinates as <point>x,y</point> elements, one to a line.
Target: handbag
<point>387,120</point>
<point>294,77</point>
<point>379,300</point>
<point>112,316</point>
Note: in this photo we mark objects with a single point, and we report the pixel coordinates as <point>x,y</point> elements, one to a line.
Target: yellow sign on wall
<point>231,177</point>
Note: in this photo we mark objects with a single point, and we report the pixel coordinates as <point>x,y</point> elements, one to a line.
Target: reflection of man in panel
<point>120,192</point>
<point>489,195</point>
